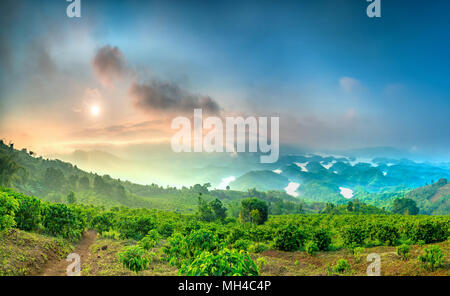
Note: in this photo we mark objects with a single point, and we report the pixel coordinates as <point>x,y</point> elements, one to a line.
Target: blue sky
<point>336,78</point>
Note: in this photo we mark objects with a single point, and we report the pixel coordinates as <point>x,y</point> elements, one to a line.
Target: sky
<point>118,75</point>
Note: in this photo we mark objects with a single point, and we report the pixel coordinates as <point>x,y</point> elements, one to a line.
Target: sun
<point>95,110</point>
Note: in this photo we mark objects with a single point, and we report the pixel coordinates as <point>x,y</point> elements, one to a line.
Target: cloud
<point>348,84</point>
<point>169,96</point>
<point>110,65</point>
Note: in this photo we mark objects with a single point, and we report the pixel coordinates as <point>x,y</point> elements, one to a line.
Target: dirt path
<point>59,267</point>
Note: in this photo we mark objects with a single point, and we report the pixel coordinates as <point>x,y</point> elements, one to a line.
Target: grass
<point>25,253</point>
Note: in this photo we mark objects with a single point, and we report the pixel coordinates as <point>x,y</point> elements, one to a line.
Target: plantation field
<point>103,261</point>
<point>123,241</point>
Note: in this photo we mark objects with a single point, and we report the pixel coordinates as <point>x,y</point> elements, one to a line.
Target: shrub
<point>258,247</point>
<point>28,215</point>
<point>225,263</point>
<point>242,244</point>
<point>62,220</point>
<point>387,234</point>
<point>135,227</point>
<point>147,243</point>
<point>112,234</point>
<point>341,266</point>
<point>8,208</point>
<point>403,251</point>
<point>289,238</point>
<point>322,238</point>
<point>261,262</point>
<point>166,229</point>
<point>427,231</point>
<point>357,253</point>
<point>311,248</point>
<point>199,241</point>
<point>176,249</point>
<point>353,236</point>
<point>432,258</point>
<point>103,222</point>
<point>134,258</point>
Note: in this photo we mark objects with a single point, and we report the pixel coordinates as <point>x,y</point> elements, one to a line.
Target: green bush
<point>150,240</point>
<point>103,222</point>
<point>353,236</point>
<point>403,251</point>
<point>311,248</point>
<point>322,238</point>
<point>289,238</point>
<point>432,258</point>
<point>357,253</point>
<point>28,215</point>
<point>242,244</point>
<point>166,229</point>
<point>225,263</point>
<point>8,207</point>
<point>258,248</point>
<point>135,227</point>
<point>387,234</point>
<point>62,220</point>
<point>427,231</point>
<point>134,258</point>
<point>341,266</point>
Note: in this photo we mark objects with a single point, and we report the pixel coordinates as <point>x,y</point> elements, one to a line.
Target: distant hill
<point>261,180</point>
<point>53,180</point>
<point>433,198</point>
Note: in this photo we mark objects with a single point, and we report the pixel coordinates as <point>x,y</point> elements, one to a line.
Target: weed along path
<point>59,267</point>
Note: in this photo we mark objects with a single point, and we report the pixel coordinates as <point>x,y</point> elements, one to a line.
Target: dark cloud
<point>110,65</point>
<point>169,96</point>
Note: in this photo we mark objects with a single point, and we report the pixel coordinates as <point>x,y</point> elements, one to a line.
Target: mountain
<point>260,180</point>
<point>433,198</point>
<point>53,180</point>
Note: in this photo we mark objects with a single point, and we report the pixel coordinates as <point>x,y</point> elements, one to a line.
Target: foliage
<point>322,238</point>
<point>135,258</point>
<point>353,235</point>
<point>28,215</point>
<point>258,248</point>
<point>357,253</point>
<point>253,210</point>
<point>432,258</point>
<point>62,220</point>
<point>224,263</point>
<point>8,208</point>
<point>341,266</point>
<point>311,248</point>
<point>405,206</point>
<point>242,244</point>
<point>289,238</point>
<point>403,251</point>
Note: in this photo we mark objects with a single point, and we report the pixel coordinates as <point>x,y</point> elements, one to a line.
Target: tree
<point>250,204</point>
<point>9,169</point>
<point>71,198</point>
<point>205,212</point>
<point>54,178</point>
<point>214,210</point>
<point>220,212</point>
<point>405,206</point>
<point>84,182</point>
